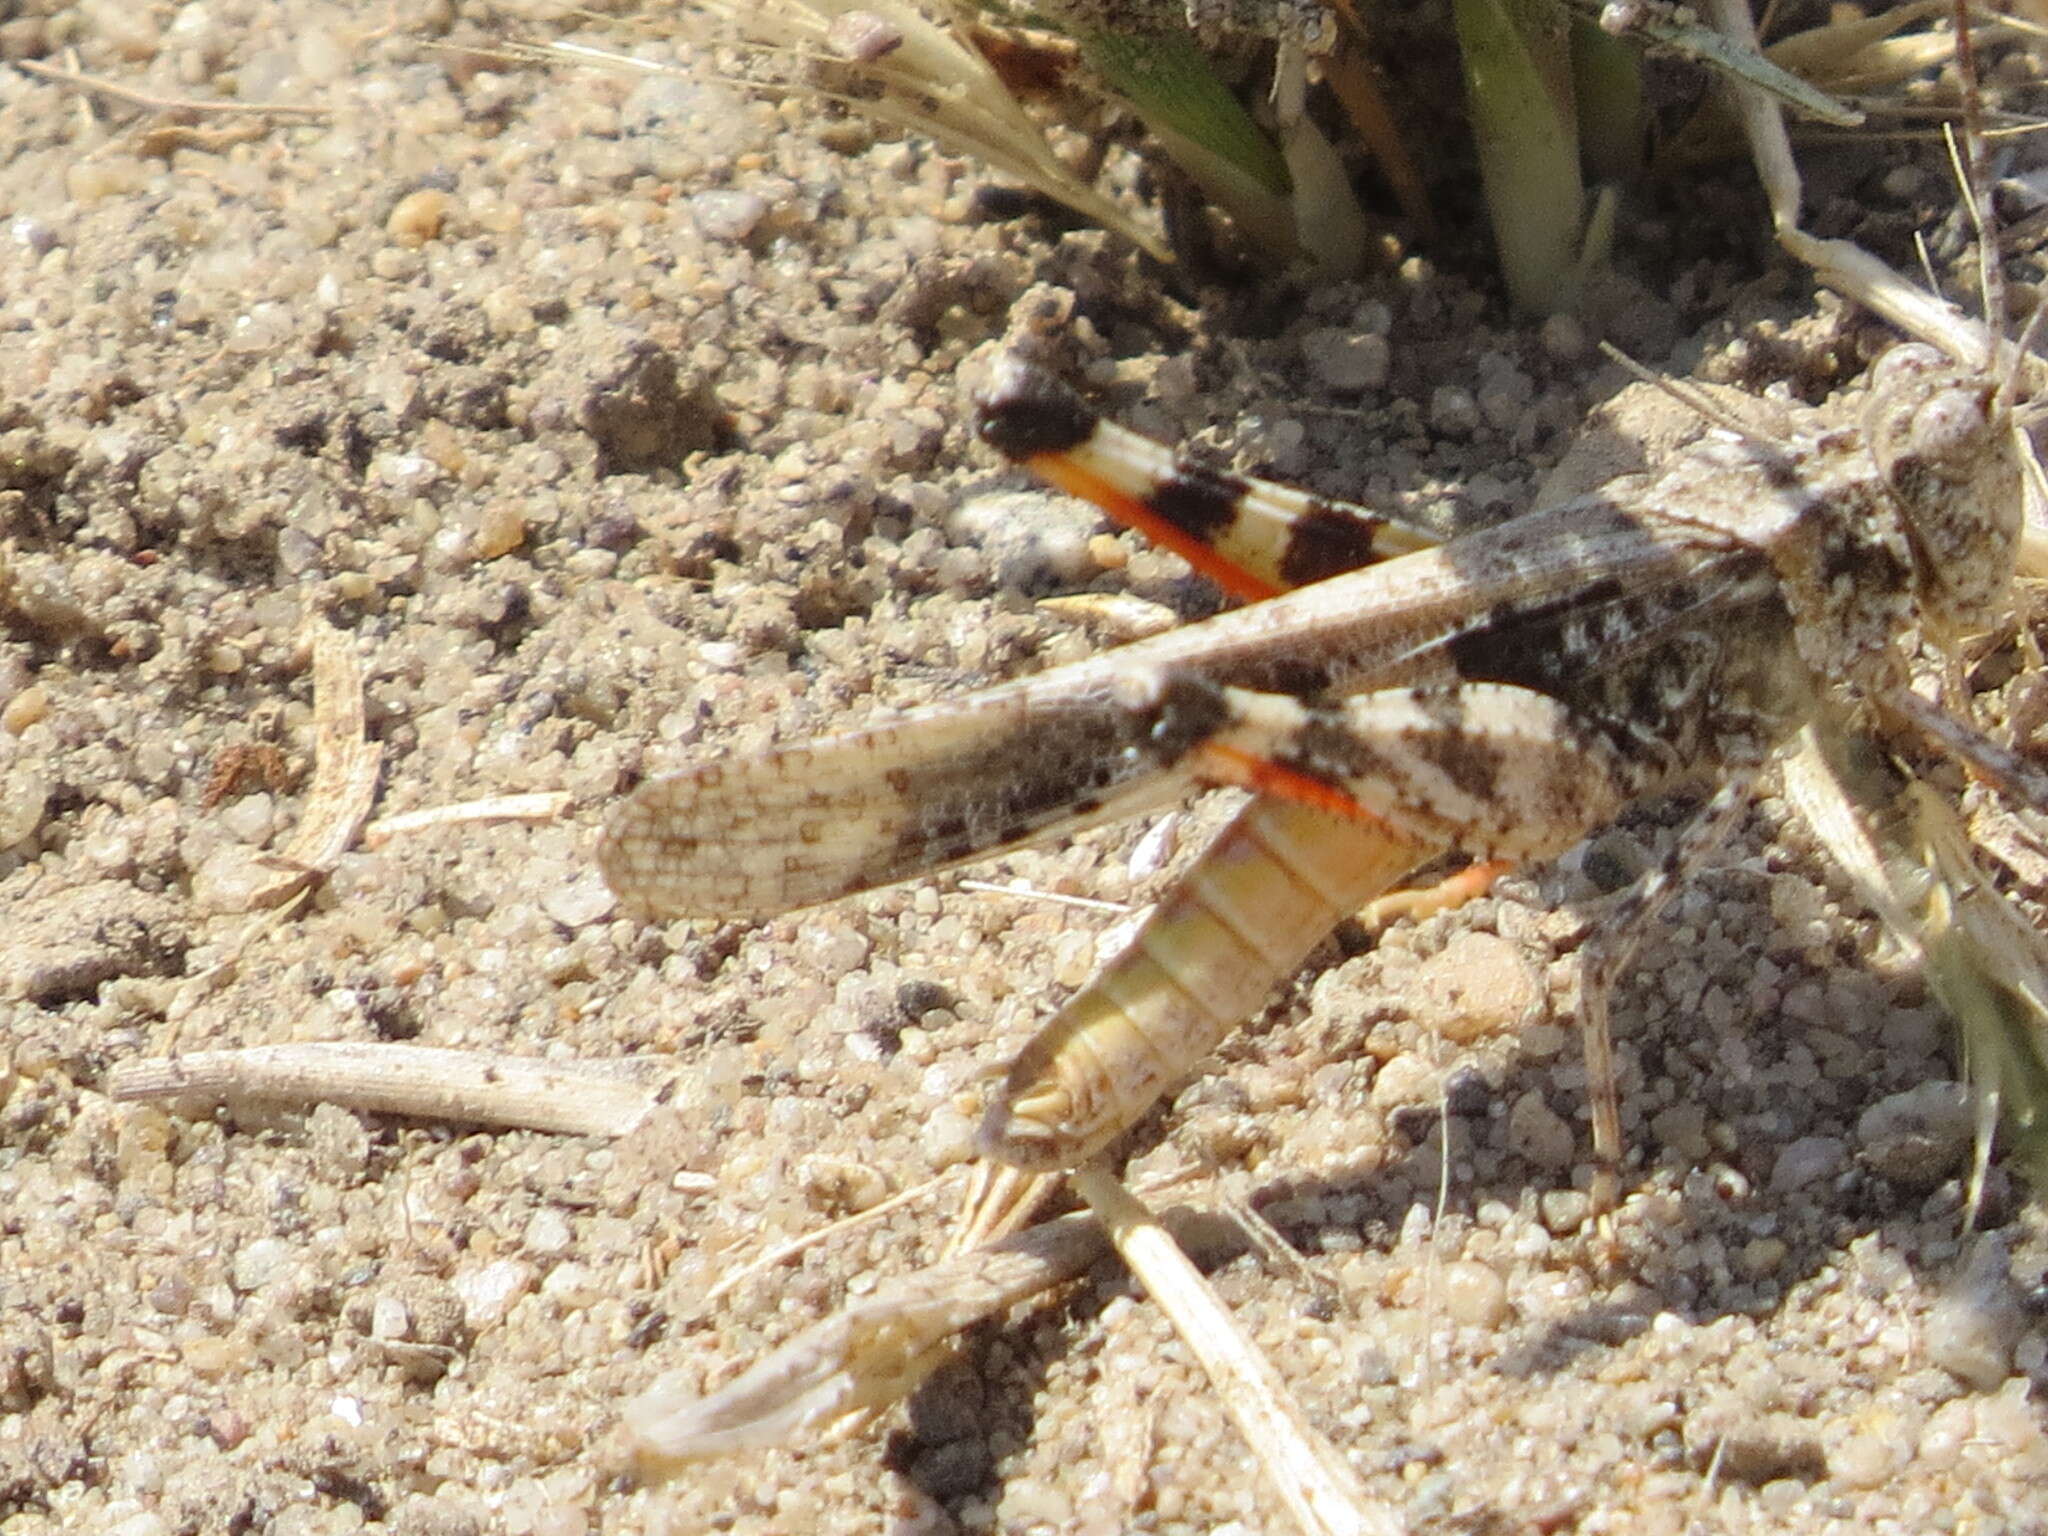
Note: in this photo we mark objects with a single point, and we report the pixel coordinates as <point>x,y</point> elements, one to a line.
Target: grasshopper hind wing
<point>1253,538</point>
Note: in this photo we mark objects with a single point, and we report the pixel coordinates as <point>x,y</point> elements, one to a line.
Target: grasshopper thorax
<point>1942,445</point>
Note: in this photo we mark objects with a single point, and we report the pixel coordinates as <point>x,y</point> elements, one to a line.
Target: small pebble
<point>582,901</point>
<point>233,878</point>
<point>32,234</point>
<point>1479,984</point>
<point>408,473</point>
<point>1406,1079</point>
<point>572,1285</point>
<point>547,1233</point>
<point>835,948</point>
<point>418,216</point>
<point>258,1263</point>
<point>1467,1093</point>
<point>25,709</point>
<point>1762,1257</point>
<point>1539,1135</point>
<point>1345,361</point>
<point>1809,1160</point>
<point>250,818</point>
<point>1902,183</point>
<point>863,36</point>
<point>389,1319</point>
<point>24,797</point>
<point>1683,1128</point>
<point>500,529</point>
<point>1034,541</point>
<point>1951,1427</point>
<point>1564,1211</point>
<point>489,1293</point>
<point>1972,1329</point>
<point>1155,850</point>
<point>728,216</point>
<point>1453,411</point>
<point>1920,1137</point>
<point>1870,1459</point>
<point>1475,1296</point>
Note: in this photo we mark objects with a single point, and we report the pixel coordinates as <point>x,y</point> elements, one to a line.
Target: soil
<point>617,420</point>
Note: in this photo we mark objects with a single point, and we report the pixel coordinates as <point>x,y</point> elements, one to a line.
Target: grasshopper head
<point>1944,446</point>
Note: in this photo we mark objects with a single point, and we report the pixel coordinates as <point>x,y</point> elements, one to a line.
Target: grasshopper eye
<point>1925,420</point>
<point>1947,432</point>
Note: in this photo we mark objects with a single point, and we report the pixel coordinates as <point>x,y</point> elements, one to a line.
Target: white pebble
<point>1475,1296</point>
<point>1809,1160</point>
<point>233,878</point>
<point>38,238</point>
<point>1870,1459</point>
<point>547,1233</point>
<point>489,1293</point>
<point>24,797</point>
<point>580,902</point>
<point>1477,985</point>
<point>250,818</point>
<point>389,1319</point>
<point>258,1263</point>
<point>728,216</point>
<point>1453,412</point>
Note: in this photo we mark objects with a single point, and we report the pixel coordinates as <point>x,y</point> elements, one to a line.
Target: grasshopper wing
<point>909,795</point>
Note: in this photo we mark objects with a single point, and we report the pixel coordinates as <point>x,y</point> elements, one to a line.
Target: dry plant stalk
<point>570,1098</point>
<point>1314,1482</point>
<point>538,805</point>
<point>345,767</point>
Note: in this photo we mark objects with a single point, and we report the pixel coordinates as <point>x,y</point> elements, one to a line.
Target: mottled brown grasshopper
<point>1497,696</point>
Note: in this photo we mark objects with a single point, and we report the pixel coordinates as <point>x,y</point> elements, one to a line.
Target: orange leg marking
<point>1056,469</point>
<point>1261,775</point>
<point>1426,901</point>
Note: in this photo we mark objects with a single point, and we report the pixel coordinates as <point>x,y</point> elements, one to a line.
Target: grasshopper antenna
<point>1972,165</point>
<point>1692,399</point>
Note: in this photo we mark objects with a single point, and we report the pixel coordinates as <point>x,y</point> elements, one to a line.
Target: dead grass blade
<point>569,1098</point>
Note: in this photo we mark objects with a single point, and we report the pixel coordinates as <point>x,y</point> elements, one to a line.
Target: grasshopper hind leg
<point>1607,952</point>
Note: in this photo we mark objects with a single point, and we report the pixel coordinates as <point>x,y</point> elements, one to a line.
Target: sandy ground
<point>426,365</point>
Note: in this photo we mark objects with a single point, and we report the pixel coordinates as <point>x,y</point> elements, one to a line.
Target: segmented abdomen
<point>1272,885</point>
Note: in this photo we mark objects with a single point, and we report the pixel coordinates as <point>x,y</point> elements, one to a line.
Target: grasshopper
<point>1388,697</point>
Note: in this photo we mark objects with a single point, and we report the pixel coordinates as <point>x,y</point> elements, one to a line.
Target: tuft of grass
<point>1519,93</point>
<point>1169,82</point>
<point>908,71</point>
<point>1912,860</point>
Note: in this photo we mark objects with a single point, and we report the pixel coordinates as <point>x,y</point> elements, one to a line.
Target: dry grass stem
<point>183,106</point>
<point>570,1098</point>
<point>1316,1484</point>
<point>540,805</point>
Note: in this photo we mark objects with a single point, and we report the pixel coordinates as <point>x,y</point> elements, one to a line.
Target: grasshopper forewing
<point>1500,695</point>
